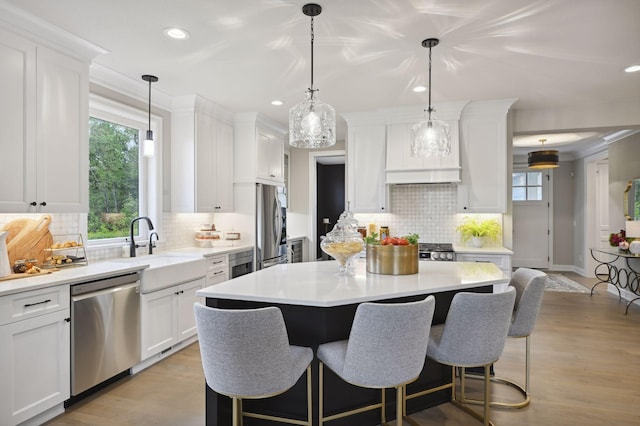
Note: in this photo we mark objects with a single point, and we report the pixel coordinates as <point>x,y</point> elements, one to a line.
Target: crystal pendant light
<point>430,136</point>
<point>546,159</point>
<point>312,123</point>
<point>148,146</point>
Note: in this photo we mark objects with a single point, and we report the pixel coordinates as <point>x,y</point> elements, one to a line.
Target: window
<point>114,198</point>
<point>121,181</point>
<point>527,186</point>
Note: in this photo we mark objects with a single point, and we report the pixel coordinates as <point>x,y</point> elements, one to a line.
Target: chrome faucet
<point>151,244</point>
<point>132,243</point>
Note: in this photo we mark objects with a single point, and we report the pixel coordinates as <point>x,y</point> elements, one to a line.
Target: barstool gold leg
<point>320,393</point>
<point>399,406</point>
<point>487,396</point>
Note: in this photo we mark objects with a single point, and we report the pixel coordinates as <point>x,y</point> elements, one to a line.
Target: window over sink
<point>122,181</point>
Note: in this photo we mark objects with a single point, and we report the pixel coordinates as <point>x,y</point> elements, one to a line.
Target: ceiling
<point>242,54</point>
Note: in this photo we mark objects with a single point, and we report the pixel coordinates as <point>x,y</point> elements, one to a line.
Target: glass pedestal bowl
<point>343,251</point>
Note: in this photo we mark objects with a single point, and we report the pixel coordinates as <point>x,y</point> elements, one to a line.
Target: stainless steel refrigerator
<point>271,226</point>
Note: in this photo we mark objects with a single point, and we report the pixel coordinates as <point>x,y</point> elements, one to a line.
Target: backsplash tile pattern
<point>176,231</point>
<point>428,210</point>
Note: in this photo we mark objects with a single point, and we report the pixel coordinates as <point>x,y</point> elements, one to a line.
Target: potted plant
<point>478,230</point>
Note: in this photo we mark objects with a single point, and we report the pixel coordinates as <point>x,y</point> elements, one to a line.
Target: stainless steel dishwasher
<point>105,329</point>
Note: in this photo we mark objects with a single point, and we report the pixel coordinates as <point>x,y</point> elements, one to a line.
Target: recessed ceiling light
<point>632,68</point>
<point>176,33</point>
<point>276,102</point>
<point>419,89</point>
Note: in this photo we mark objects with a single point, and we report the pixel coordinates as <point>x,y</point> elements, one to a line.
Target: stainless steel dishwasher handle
<point>106,291</point>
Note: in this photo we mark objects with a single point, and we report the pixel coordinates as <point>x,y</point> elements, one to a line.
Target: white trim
<point>313,196</point>
<point>139,90</point>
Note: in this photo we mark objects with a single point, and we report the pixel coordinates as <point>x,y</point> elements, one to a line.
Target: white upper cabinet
<point>201,157</point>
<point>366,191</point>
<point>485,138</point>
<point>258,149</point>
<point>43,128</point>
<point>401,167</point>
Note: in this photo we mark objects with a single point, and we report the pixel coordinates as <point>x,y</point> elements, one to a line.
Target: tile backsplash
<point>428,210</point>
<point>176,230</point>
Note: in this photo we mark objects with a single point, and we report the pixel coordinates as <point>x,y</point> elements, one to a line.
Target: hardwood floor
<point>585,356</point>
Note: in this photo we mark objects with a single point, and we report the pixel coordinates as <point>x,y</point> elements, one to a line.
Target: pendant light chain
<point>430,110</point>
<point>149,128</point>
<point>312,39</point>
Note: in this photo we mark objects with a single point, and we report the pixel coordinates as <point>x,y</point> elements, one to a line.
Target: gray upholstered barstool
<point>246,355</point>
<point>386,348</point>
<point>529,285</point>
<point>473,335</point>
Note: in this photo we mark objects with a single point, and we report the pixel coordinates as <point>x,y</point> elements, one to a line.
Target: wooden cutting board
<point>28,238</point>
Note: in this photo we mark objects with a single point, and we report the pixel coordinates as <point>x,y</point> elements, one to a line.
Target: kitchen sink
<point>166,270</point>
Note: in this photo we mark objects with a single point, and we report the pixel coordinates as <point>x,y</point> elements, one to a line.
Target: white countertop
<point>482,250</point>
<point>72,275</point>
<point>213,251</point>
<point>107,268</point>
<point>316,283</point>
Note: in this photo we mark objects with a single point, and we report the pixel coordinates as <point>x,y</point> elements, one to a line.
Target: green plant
<point>472,227</point>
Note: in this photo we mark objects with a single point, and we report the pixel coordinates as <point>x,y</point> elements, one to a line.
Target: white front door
<point>531,213</point>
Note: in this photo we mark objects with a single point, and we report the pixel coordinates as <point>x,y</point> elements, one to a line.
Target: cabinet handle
<point>218,273</point>
<point>37,303</point>
<point>33,203</point>
<point>67,319</point>
<point>217,261</point>
<point>464,208</point>
<point>272,175</point>
<point>44,203</point>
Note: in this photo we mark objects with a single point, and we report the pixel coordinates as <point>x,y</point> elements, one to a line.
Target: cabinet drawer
<point>216,277</point>
<point>501,261</point>
<point>29,304</point>
<point>217,262</point>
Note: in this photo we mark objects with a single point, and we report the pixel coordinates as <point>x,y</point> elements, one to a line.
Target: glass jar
<point>344,242</point>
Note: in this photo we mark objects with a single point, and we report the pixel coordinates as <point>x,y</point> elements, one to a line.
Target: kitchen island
<point>318,306</point>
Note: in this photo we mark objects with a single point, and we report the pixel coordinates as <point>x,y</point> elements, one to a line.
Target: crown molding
<point>44,33</point>
<point>136,89</point>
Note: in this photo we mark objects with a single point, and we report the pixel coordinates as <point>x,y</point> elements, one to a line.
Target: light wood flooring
<point>585,371</point>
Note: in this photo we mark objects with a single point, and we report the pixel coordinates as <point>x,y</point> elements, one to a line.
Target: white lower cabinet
<point>217,269</point>
<point>167,317</point>
<point>34,357</point>
<point>502,261</point>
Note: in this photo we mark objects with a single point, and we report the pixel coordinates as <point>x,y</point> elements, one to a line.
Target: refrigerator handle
<point>276,221</point>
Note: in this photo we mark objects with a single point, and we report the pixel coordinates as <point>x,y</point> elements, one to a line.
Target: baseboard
<point>568,268</point>
<point>162,355</point>
<point>44,416</point>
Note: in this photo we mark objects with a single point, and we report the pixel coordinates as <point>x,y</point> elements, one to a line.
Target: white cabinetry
<point>503,261</point>
<point>201,157</point>
<point>43,128</point>
<point>258,149</point>
<point>217,269</point>
<point>485,137</point>
<point>167,317</point>
<point>401,167</point>
<point>366,191</point>
<point>34,354</point>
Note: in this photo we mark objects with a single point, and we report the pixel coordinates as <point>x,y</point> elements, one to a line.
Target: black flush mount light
<point>545,159</point>
<point>148,146</point>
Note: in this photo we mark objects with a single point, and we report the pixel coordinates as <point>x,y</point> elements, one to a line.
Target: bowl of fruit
<point>392,255</point>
